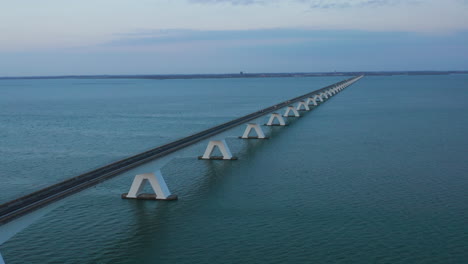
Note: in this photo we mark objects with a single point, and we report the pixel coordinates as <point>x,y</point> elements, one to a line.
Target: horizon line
<point>233,75</point>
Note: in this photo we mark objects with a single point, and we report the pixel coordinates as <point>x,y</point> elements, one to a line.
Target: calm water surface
<point>378,174</point>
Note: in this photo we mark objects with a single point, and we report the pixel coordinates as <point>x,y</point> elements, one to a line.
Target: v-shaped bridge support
<point>271,121</point>
<point>302,106</point>
<point>222,146</point>
<point>256,128</point>
<point>290,109</point>
<point>158,184</point>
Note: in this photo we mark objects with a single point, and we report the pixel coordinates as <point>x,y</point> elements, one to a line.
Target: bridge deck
<point>28,203</point>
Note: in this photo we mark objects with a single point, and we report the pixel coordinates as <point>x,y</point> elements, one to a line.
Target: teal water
<point>378,174</point>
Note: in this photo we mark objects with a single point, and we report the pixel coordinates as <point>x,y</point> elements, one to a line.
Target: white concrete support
<point>256,128</point>
<point>272,120</point>
<point>158,184</point>
<point>320,97</point>
<point>329,93</point>
<point>223,147</point>
<point>325,95</point>
<point>302,106</point>
<point>289,109</point>
<point>312,100</point>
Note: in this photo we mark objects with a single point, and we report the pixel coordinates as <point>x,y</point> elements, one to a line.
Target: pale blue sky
<point>58,37</point>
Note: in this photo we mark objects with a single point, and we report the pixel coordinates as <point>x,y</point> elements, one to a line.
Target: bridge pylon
<point>157,183</point>
<point>290,109</point>
<point>312,100</point>
<point>302,106</point>
<point>272,119</point>
<point>320,97</point>
<point>256,128</point>
<point>222,146</point>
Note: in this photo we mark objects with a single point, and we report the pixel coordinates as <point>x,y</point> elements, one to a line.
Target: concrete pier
<point>290,109</point>
<point>302,106</point>
<point>222,146</point>
<point>320,97</point>
<point>273,117</point>
<point>157,183</point>
<point>255,127</point>
<point>312,100</point>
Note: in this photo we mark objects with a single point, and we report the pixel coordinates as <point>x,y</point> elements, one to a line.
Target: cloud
<point>317,4</point>
<point>263,50</point>
<point>273,36</point>
<point>356,3</point>
<point>183,39</point>
<point>233,2</point>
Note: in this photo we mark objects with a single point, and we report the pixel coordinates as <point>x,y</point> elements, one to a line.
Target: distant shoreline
<point>236,75</point>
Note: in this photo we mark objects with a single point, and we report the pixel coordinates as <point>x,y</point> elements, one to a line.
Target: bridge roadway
<point>33,201</point>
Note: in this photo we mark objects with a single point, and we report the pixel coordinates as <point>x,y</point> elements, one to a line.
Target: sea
<point>376,174</point>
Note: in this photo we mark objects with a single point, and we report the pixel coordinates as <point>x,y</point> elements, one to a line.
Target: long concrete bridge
<point>27,204</point>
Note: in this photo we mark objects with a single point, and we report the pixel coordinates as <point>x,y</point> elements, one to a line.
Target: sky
<point>92,37</point>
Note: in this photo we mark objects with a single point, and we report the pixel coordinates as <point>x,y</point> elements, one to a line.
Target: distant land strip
<point>238,75</point>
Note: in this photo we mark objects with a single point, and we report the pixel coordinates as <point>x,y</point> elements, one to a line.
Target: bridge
<point>27,204</point>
